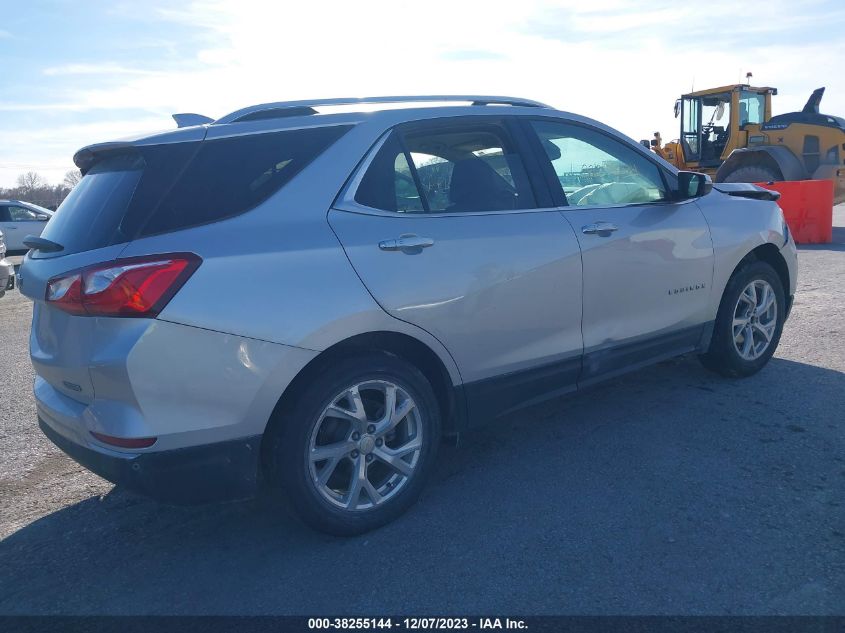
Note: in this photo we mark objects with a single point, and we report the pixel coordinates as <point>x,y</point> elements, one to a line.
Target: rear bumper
<point>212,472</point>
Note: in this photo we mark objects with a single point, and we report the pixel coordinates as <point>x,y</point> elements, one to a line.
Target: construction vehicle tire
<point>752,173</point>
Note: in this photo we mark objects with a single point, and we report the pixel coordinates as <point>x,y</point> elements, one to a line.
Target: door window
<point>752,108</point>
<point>690,128</point>
<point>389,183</point>
<point>22,214</point>
<point>452,169</point>
<point>596,170</point>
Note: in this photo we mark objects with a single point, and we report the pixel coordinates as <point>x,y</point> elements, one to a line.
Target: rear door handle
<point>407,243</point>
<point>599,228</point>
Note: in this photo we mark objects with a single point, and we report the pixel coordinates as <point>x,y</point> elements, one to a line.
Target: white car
<point>19,219</point>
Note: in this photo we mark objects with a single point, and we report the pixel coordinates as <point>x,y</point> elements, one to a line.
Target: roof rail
<point>278,109</point>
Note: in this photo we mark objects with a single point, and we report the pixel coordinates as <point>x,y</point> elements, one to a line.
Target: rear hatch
<point>134,191</point>
<point>93,225</point>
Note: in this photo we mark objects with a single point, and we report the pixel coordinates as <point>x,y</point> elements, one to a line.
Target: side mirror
<point>692,184</point>
<point>42,217</point>
<point>645,144</point>
<point>677,108</point>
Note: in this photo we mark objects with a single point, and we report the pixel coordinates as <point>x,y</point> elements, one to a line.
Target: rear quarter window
<point>229,176</point>
<point>160,188</point>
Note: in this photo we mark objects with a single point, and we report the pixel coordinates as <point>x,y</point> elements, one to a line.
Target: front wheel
<point>749,322</point>
<point>358,444</point>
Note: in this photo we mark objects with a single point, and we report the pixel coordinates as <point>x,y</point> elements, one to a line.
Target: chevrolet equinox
<point>313,297</point>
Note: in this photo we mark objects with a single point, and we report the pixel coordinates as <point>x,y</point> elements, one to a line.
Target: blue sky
<point>73,73</point>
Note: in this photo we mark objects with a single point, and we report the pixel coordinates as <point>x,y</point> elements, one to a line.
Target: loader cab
<point>715,122</point>
<point>705,127</point>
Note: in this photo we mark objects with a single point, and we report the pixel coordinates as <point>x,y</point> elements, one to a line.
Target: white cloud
<point>49,150</point>
<point>96,69</point>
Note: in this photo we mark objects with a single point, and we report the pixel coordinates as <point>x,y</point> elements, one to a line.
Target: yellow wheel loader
<point>730,133</point>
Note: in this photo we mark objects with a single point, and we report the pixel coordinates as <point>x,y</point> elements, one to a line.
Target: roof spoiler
<point>84,158</point>
<point>187,119</point>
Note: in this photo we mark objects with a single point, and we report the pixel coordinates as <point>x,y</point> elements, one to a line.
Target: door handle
<point>599,228</point>
<point>407,243</point>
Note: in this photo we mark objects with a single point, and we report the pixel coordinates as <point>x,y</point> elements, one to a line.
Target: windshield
<point>39,209</point>
<point>715,110</point>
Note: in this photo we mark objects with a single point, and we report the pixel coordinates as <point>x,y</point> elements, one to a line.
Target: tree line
<point>34,188</point>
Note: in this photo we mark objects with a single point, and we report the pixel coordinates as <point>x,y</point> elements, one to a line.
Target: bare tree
<point>32,187</point>
<point>72,178</point>
<point>30,182</point>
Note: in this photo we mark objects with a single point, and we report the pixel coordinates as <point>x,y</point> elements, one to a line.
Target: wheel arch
<point>449,398</point>
<point>770,254</point>
<point>715,355</point>
<point>777,158</point>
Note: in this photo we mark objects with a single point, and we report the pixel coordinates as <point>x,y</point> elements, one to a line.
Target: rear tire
<point>347,465</point>
<point>753,173</point>
<point>749,322</point>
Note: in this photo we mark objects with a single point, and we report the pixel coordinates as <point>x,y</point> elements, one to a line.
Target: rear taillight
<point>134,287</point>
<point>125,442</point>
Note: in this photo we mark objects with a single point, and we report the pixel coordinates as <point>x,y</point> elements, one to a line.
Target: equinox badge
<point>677,291</point>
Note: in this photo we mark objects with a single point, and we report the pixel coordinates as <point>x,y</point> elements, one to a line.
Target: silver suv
<point>314,298</point>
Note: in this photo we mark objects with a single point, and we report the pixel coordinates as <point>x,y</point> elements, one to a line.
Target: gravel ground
<point>667,491</point>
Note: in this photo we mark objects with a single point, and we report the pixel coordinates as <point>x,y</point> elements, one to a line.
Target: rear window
<point>91,214</point>
<point>163,188</point>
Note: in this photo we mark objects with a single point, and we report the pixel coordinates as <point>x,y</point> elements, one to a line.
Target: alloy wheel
<point>366,445</point>
<point>755,319</point>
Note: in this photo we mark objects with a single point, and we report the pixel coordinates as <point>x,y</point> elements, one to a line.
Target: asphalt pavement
<point>667,491</point>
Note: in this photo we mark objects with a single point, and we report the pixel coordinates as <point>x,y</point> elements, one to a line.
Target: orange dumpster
<point>808,208</point>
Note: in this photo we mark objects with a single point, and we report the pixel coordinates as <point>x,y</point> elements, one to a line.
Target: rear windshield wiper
<point>42,244</point>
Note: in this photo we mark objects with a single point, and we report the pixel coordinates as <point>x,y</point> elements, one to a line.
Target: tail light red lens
<point>134,287</point>
<point>125,442</point>
<point>66,293</point>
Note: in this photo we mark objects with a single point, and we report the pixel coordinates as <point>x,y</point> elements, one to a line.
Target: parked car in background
<point>19,219</point>
<point>314,299</point>
<point>7,270</point>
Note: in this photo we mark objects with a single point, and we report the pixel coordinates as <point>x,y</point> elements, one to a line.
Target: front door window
<point>691,128</point>
<point>595,170</point>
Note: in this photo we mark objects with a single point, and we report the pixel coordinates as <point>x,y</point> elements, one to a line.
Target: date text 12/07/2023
<point>413,623</point>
